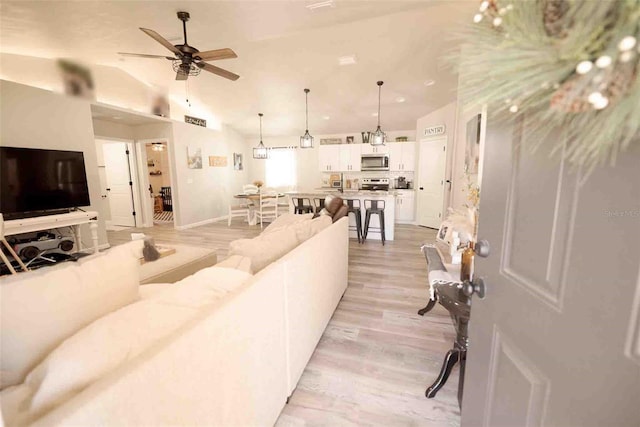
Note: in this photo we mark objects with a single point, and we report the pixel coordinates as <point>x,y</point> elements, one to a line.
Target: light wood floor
<point>377,356</point>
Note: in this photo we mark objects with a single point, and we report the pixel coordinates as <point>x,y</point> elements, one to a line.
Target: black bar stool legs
<point>374,207</point>
<point>355,209</point>
<point>300,207</point>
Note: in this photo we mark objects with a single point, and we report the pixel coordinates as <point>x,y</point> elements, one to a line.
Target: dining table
<point>252,198</point>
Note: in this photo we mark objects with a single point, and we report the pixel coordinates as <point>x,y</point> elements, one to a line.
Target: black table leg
<point>430,305</point>
<point>450,360</point>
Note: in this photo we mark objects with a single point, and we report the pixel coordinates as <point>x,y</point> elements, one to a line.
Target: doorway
<point>160,190</point>
<point>431,181</point>
<point>118,180</point>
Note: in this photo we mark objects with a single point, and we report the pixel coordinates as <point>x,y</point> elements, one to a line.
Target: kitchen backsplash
<point>371,174</point>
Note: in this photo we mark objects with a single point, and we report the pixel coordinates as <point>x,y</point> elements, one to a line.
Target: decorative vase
<point>466,266</point>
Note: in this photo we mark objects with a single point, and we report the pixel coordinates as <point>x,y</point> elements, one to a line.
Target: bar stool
<point>299,205</point>
<point>319,204</point>
<point>374,207</point>
<point>355,209</point>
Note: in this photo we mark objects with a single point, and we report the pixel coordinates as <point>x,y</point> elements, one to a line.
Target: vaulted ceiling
<point>282,48</point>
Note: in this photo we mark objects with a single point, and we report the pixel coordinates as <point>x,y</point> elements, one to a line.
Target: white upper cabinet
<point>329,158</point>
<point>378,149</point>
<point>402,156</point>
<point>350,157</point>
<point>339,158</point>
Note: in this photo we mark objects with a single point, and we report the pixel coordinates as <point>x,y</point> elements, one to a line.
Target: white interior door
<point>431,179</point>
<point>119,181</point>
<point>556,340</point>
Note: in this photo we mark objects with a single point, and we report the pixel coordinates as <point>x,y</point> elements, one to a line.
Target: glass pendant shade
<point>306,140</point>
<point>378,137</point>
<point>260,152</point>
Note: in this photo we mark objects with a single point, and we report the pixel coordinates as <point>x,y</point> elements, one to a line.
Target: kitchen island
<point>362,195</point>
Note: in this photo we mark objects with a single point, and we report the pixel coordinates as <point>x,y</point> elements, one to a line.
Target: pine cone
<point>554,12</point>
<point>568,98</point>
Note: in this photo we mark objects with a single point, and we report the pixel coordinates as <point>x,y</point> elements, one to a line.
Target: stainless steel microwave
<point>374,162</point>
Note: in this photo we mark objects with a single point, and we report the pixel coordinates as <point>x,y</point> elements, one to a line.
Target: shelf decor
<point>562,64</point>
<point>306,140</point>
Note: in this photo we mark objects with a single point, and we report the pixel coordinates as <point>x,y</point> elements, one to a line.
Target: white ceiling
<point>282,48</point>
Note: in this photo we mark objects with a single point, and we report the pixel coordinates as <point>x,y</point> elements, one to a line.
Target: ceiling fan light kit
<point>306,140</point>
<point>189,61</point>
<point>378,137</point>
<point>260,152</point>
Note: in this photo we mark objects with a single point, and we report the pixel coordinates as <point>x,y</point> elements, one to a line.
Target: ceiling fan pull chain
<point>186,88</point>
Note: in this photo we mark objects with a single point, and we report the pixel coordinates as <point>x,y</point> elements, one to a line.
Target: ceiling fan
<point>188,61</point>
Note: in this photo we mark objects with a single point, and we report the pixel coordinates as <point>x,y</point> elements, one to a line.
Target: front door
<point>431,181</point>
<point>119,181</point>
<point>556,341</point>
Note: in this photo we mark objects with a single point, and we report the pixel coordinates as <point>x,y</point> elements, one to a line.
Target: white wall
<point>112,86</point>
<point>201,195</point>
<point>308,172</point>
<point>36,118</point>
<point>443,116</point>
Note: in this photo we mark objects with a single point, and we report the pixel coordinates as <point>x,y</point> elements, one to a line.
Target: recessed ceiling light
<point>400,99</point>
<point>326,117</point>
<point>347,60</point>
<point>374,114</point>
<point>429,82</point>
<point>321,4</point>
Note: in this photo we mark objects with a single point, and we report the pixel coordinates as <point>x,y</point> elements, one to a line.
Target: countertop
<point>348,193</point>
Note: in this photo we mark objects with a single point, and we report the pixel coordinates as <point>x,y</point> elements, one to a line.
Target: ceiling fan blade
<point>217,70</point>
<point>144,55</point>
<point>181,76</point>
<point>213,55</point>
<point>164,42</point>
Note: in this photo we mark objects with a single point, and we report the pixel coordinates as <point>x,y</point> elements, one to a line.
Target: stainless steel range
<point>374,184</point>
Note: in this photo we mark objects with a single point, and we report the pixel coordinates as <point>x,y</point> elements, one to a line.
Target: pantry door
<point>556,339</point>
<point>431,181</point>
<point>117,164</point>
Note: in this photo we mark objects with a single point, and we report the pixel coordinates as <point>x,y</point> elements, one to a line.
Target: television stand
<point>71,219</point>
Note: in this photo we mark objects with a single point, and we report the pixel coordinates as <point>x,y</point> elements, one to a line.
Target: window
<point>280,170</point>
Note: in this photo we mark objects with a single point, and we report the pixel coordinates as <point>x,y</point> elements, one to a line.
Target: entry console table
<point>47,222</point>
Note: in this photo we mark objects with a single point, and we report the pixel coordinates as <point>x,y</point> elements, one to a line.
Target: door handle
<point>421,188</point>
<point>476,286</point>
<point>449,182</point>
<point>482,248</point>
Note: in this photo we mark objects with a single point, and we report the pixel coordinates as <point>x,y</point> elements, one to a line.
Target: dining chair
<point>267,206</point>
<point>239,209</point>
<point>283,204</point>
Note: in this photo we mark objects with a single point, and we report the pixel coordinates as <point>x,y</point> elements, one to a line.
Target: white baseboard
<point>198,224</point>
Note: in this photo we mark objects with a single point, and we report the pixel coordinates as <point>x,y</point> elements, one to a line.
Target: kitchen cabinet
<point>378,149</point>
<point>405,206</point>
<point>402,156</point>
<point>350,157</point>
<point>329,158</point>
<point>339,158</point>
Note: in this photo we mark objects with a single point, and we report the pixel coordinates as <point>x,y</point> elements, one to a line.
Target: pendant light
<point>306,140</point>
<point>260,152</point>
<point>378,137</point>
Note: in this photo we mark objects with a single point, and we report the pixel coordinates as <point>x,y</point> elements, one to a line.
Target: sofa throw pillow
<point>286,220</point>
<point>40,309</point>
<point>236,262</point>
<point>266,248</point>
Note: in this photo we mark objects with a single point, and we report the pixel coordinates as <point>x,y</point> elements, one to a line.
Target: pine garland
<point>563,64</point>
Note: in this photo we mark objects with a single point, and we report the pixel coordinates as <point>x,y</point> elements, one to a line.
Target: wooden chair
<point>239,209</point>
<point>10,250</point>
<point>267,206</point>
<point>283,204</point>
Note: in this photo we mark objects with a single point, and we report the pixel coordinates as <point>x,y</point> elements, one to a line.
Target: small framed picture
<point>350,139</point>
<point>444,233</point>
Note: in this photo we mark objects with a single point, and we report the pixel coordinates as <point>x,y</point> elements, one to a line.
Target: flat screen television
<point>37,182</point>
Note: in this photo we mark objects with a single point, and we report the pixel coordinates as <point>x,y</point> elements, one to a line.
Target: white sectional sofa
<point>222,347</point>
